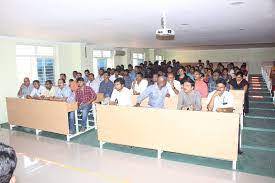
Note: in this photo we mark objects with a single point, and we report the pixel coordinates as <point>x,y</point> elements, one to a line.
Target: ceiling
<point>132,23</point>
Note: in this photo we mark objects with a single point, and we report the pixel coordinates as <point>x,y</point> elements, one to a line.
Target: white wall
<point>7,74</point>
<point>253,56</point>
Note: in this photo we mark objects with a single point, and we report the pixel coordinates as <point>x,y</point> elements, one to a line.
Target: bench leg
<point>76,122</point>
<point>101,143</point>
<point>11,127</point>
<point>37,131</point>
<point>68,138</point>
<point>159,153</point>
<point>234,165</point>
<point>94,115</point>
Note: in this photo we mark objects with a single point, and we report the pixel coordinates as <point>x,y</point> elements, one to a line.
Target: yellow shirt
<point>50,93</point>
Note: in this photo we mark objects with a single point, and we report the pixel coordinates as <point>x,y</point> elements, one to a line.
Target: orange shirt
<point>202,88</point>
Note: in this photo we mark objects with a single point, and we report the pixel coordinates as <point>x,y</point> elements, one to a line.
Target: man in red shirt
<point>84,96</point>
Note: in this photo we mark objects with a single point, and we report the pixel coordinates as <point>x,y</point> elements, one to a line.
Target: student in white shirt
<point>94,84</point>
<point>139,85</point>
<point>173,85</point>
<point>220,100</point>
<point>121,95</point>
<point>38,91</point>
<point>114,76</point>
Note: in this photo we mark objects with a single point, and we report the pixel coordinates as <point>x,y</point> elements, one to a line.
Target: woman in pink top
<point>200,85</point>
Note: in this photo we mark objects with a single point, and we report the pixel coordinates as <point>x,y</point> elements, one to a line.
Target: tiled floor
<point>45,160</point>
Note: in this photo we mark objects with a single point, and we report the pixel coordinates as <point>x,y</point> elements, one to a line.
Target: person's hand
<point>28,97</point>
<point>219,110</point>
<point>137,105</point>
<point>217,93</point>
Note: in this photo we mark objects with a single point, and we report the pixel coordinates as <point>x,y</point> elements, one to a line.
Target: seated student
<point>25,88</point>
<point>189,99</point>
<point>139,85</point>
<point>127,79</point>
<point>200,85</point>
<point>106,86</point>
<point>84,96</point>
<point>86,75</point>
<point>115,75</point>
<point>154,79</point>
<point>156,94</point>
<point>239,83</point>
<point>121,95</point>
<point>213,79</point>
<point>63,76</point>
<point>50,90</point>
<point>63,92</point>
<point>38,91</point>
<point>8,161</point>
<point>173,85</point>
<point>92,82</point>
<point>182,77</point>
<point>220,100</point>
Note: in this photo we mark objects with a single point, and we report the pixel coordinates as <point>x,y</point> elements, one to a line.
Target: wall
<point>8,74</point>
<point>253,56</point>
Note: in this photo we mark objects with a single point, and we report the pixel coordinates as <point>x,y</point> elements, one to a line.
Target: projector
<point>164,33</point>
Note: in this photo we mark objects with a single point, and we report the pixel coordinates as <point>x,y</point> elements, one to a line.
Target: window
<point>159,57</point>
<point>35,62</point>
<point>138,58</point>
<point>102,59</point>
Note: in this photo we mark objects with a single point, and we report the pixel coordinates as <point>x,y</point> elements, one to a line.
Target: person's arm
<point>180,101</point>
<point>197,106</point>
<point>113,99</point>
<point>20,93</point>
<point>211,100</point>
<point>245,88</point>
<point>174,88</point>
<point>143,96</point>
<point>205,90</point>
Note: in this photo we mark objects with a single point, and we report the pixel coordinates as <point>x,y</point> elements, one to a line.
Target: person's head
<point>119,84</point>
<point>160,73</point>
<point>192,70</point>
<point>75,74</point>
<point>8,161</point>
<point>112,72</point>
<point>126,72</point>
<point>106,76</point>
<point>188,85</point>
<point>239,76</point>
<point>63,76</point>
<point>36,84</point>
<point>91,77</point>
<point>161,82</point>
<point>100,72</point>
<point>87,72</point>
<point>139,76</point>
<point>216,75</point>
<point>170,77</point>
<point>137,69</point>
<point>80,82</point>
<point>49,84</point>
<point>70,81</point>
<point>155,78</point>
<point>221,85</point>
<point>181,71</point>
<point>79,75</point>
<point>225,72</point>
<point>130,67</point>
<point>169,69</point>
<point>27,81</point>
<point>197,75</point>
<point>116,73</point>
<point>61,83</point>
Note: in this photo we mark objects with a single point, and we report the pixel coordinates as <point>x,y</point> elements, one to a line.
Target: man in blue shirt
<point>132,73</point>
<point>156,94</point>
<point>106,86</point>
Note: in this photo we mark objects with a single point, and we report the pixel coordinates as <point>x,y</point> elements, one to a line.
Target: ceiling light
<point>237,3</point>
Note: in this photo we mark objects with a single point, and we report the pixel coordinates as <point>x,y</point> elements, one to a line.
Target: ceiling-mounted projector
<point>165,33</point>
